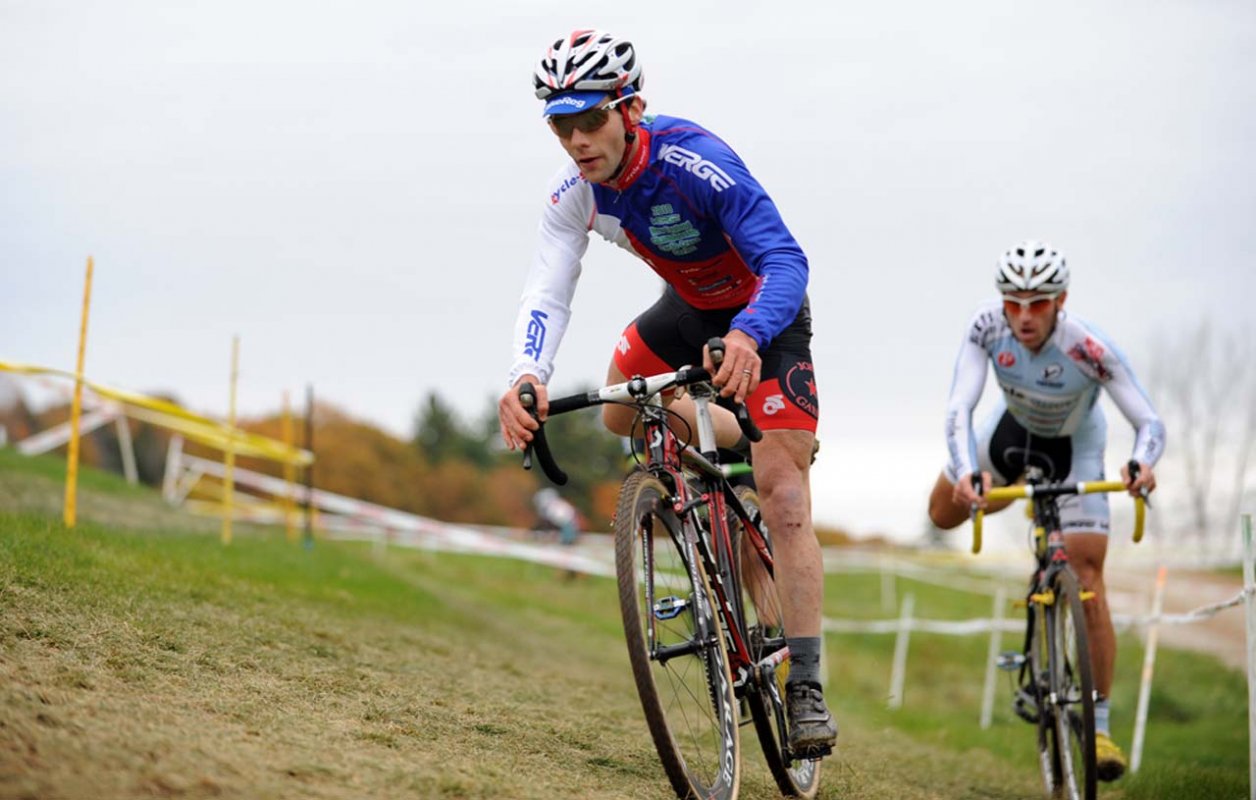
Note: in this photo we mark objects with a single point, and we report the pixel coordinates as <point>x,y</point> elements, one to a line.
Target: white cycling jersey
<point>1051,393</point>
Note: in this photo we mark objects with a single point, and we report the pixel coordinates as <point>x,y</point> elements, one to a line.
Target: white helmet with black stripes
<point>587,61</point>
<point>1032,266</point>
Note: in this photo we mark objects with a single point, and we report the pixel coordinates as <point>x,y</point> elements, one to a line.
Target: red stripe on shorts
<point>773,410</point>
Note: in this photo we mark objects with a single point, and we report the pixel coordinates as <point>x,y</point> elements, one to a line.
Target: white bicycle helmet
<point>1032,266</point>
<point>587,61</point>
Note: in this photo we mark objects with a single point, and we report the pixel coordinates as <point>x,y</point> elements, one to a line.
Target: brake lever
<point>1134,468</point>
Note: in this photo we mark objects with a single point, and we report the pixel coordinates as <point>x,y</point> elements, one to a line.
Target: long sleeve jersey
<point>693,212</point>
<point>1050,393</point>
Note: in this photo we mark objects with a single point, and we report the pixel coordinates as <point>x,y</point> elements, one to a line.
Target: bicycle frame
<point>1060,715</point>
<point>719,558</point>
<point>667,458</point>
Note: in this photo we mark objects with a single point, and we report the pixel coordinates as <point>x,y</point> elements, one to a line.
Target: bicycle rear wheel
<point>765,634</point>
<point>1072,693</point>
<point>679,660</point>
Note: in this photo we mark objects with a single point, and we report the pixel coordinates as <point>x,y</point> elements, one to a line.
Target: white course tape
<point>1203,612</point>
<point>965,627</point>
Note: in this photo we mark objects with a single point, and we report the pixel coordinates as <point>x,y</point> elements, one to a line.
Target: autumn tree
<point>441,436</point>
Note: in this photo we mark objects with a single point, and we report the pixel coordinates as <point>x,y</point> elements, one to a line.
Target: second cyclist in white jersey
<point>1049,367</point>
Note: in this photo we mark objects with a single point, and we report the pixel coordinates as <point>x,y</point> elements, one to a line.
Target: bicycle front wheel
<point>765,634</point>
<point>675,644</point>
<point>1072,693</point>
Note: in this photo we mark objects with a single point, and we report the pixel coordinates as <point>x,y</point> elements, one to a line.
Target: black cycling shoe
<point>812,731</point>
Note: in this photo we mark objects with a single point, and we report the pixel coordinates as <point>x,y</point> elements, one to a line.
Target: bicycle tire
<point>1073,692</point>
<point>764,623</point>
<point>1037,684</point>
<point>665,598</point>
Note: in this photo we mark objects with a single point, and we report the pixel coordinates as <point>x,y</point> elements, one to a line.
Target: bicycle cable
<point>683,441</point>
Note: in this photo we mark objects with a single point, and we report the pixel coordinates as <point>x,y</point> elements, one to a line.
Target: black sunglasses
<point>586,121</point>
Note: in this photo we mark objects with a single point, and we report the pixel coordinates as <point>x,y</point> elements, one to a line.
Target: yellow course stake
<point>76,409</point>
<point>229,453</point>
<point>289,476</point>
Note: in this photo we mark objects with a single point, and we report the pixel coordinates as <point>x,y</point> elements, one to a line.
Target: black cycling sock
<point>804,659</point>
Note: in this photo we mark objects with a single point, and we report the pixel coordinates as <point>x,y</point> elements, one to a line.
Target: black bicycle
<point>1054,688</point>
<point>697,591</point>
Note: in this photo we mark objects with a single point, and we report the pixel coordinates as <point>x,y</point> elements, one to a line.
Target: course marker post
<point>1149,665</point>
<point>289,475</point>
<point>70,512</point>
<point>992,657</point>
<point>310,508</point>
<point>126,447</point>
<point>898,675</point>
<point>228,483</point>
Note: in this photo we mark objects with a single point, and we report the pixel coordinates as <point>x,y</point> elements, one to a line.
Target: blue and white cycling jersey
<point>1052,393</point>
<point>686,205</point>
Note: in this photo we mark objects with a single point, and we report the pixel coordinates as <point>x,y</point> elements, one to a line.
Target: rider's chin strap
<point>630,134</point>
<point>630,130</point>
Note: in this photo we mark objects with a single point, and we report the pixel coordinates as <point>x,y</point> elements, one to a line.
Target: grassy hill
<point>141,658</point>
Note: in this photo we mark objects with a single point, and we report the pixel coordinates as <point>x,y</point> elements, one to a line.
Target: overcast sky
<point>353,188</point>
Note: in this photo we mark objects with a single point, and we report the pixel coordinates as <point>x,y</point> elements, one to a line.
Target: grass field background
<point>141,658</point>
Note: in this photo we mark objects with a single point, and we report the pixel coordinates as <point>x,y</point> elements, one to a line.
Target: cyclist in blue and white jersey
<point>1049,367</point>
<point>679,198</point>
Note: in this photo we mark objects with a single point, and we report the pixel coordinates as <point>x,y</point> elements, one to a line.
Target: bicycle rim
<point>678,656</point>
<point>764,634</point>
<point>1073,692</point>
<point>1039,684</point>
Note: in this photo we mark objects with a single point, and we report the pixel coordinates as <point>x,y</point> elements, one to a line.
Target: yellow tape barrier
<point>177,418</point>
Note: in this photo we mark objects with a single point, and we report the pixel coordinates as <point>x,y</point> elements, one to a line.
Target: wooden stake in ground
<point>71,470</point>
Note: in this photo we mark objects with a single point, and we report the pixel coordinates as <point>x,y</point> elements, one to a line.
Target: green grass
<point>145,659</point>
<point>53,468</point>
<point>1196,739</point>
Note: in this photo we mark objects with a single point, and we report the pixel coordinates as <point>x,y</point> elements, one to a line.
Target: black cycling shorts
<point>671,333</point>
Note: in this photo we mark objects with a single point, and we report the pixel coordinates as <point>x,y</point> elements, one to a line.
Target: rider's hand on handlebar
<point>1146,480</point>
<point>738,376</point>
<point>516,423</point>
<point>964,495</point>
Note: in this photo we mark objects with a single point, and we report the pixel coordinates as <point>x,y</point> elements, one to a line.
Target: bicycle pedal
<point>813,753</point>
<point>1010,660</point>
<point>1025,707</point>
<point>670,607</point>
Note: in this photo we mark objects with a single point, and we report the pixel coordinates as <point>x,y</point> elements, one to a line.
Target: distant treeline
<point>450,468</point>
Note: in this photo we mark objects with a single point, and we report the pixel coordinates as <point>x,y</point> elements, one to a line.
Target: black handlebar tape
<point>748,428</point>
<point>715,346</point>
<point>539,444</point>
<point>543,454</point>
<point>573,403</point>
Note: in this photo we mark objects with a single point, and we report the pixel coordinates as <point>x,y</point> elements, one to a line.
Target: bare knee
<point>1086,554</point>
<point>781,470</point>
<point>944,512</point>
<point>617,419</point>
